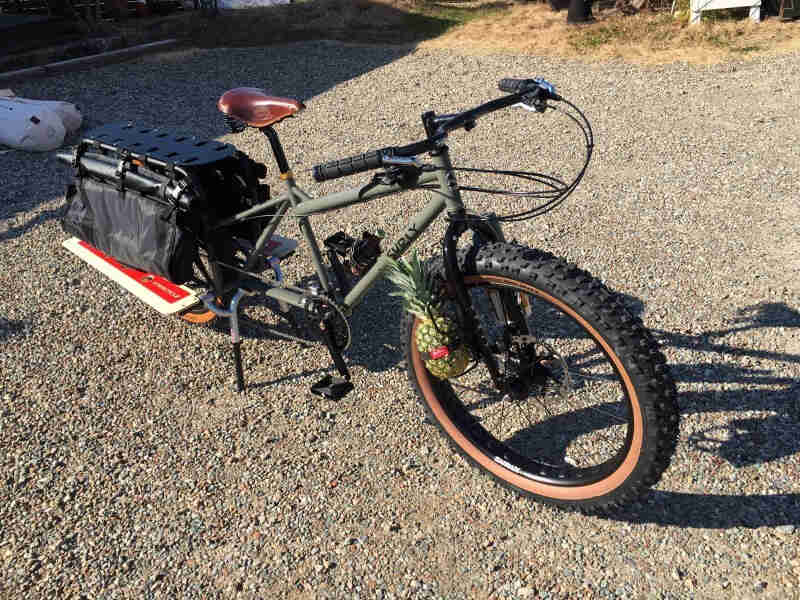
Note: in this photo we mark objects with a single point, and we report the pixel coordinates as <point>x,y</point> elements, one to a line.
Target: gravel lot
<point>131,469</point>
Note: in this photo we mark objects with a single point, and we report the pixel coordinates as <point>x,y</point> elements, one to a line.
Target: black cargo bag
<point>137,230</point>
<point>149,197</point>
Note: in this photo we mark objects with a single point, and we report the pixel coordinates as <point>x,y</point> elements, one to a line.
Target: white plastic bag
<point>69,113</point>
<point>30,127</point>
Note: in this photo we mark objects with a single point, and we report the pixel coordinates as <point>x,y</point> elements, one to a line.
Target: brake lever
<point>536,99</point>
<point>536,105</point>
<point>402,161</point>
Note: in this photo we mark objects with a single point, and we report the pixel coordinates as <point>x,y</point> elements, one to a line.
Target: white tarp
<point>36,125</point>
<point>248,3</point>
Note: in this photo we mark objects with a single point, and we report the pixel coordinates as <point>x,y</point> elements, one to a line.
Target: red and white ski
<point>163,295</point>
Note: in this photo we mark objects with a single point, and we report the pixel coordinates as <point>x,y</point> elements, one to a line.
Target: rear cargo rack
<point>155,143</point>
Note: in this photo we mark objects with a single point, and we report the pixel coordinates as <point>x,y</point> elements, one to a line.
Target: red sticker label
<point>163,288</point>
<point>439,352</point>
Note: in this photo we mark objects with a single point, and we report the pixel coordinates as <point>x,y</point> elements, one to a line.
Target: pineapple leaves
<point>415,285</point>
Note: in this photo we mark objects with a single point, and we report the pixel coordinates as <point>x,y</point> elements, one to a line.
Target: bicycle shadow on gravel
<point>741,442</point>
<point>374,331</point>
<point>20,229</point>
<point>10,329</point>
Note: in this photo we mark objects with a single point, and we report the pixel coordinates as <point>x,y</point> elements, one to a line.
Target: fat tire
<point>636,348</point>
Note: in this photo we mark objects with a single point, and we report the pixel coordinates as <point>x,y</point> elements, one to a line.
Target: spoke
<point>491,414</point>
<point>574,416</point>
<point>481,390</point>
<point>504,400</point>
<point>608,414</point>
<point>544,406</point>
<point>527,416</point>
<point>583,375</point>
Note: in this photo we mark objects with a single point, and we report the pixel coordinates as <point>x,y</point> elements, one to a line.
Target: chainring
<point>339,326</point>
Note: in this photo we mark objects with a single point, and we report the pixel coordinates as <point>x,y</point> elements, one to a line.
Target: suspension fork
<point>459,223</point>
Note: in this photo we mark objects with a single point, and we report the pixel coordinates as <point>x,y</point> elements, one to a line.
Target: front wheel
<point>586,413</point>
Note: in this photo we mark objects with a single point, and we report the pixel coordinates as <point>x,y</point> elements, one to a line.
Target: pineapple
<point>435,332</point>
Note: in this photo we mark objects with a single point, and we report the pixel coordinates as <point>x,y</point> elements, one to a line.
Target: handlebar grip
<point>514,86</point>
<point>349,166</point>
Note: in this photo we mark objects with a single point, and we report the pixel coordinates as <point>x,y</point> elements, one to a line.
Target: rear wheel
<point>586,416</point>
<point>198,314</point>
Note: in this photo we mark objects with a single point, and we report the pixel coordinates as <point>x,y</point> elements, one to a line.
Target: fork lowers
<point>470,328</point>
<point>585,416</point>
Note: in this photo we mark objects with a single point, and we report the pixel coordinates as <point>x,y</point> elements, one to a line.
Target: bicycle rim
<point>577,430</point>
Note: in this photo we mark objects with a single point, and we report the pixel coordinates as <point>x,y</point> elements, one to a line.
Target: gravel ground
<point>131,469</point>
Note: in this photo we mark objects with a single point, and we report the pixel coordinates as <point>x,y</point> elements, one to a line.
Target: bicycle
<point>567,400</point>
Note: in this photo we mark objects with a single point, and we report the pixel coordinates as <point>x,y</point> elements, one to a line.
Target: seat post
<point>277,149</point>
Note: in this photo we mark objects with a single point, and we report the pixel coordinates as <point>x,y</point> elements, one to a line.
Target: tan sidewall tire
<point>565,493</point>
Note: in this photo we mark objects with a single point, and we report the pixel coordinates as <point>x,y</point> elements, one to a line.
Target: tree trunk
<point>580,11</point>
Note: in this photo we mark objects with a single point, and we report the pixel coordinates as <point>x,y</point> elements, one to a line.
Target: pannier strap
<point>76,158</point>
<point>122,166</point>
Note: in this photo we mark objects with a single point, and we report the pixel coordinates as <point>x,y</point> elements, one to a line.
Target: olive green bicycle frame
<point>295,203</point>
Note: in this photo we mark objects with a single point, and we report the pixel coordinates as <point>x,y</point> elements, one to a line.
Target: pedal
<point>340,242</point>
<point>332,387</point>
<point>161,294</point>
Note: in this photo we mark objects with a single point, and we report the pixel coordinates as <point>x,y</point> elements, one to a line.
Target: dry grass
<point>481,26</point>
<point>644,38</point>
<point>365,21</point>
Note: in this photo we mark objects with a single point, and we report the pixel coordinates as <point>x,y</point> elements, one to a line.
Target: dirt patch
<point>370,21</point>
<point>482,26</point>
<point>644,38</point>
<point>485,26</point>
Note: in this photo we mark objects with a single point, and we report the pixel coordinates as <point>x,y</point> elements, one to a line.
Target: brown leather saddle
<point>256,108</point>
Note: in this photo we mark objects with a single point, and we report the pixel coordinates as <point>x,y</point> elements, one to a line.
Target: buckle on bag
<point>122,167</point>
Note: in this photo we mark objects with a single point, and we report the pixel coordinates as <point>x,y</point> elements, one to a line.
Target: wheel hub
<point>534,365</point>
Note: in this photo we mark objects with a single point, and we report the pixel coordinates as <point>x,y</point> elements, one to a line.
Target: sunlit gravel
<point>132,469</point>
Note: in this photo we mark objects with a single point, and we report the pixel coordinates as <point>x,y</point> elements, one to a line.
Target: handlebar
<point>349,166</point>
<point>369,160</point>
<point>545,90</point>
<point>536,91</point>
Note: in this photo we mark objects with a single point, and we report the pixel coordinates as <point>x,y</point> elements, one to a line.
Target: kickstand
<point>330,386</point>
<point>233,314</point>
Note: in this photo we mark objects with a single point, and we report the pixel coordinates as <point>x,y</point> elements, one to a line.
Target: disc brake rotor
<point>548,373</point>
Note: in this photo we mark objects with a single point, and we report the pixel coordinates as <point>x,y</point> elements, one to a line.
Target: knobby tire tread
<point>633,343</point>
